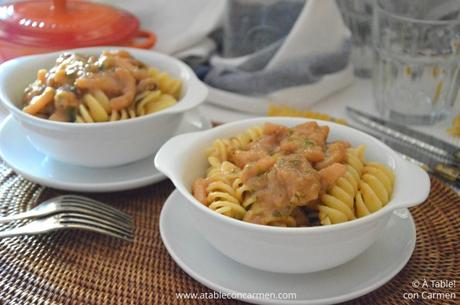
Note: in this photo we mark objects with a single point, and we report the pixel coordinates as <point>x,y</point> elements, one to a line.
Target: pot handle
<point>148,40</point>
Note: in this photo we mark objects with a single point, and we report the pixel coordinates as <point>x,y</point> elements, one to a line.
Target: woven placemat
<point>82,268</point>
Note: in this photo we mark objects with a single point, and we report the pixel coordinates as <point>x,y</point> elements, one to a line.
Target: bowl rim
<point>214,133</point>
<point>191,80</point>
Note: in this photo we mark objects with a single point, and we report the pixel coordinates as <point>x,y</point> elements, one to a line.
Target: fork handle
<point>35,227</point>
<point>19,216</point>
<point>15,232</point>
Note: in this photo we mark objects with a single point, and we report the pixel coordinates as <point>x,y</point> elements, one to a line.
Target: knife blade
<point>414,138</point>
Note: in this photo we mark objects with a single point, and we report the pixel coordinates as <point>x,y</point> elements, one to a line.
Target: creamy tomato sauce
<point>287,169</point>
<point>57,93</point>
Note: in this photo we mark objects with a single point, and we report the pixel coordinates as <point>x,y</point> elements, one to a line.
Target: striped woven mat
<point>75,267</point>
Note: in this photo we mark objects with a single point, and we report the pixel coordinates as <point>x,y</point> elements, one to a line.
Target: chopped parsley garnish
<point>309,143</point>
<point>295,162</point>
<point>72,113</point>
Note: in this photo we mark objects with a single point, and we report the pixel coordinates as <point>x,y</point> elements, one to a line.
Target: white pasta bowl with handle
<point>103,144</point>
<point>287,249</point>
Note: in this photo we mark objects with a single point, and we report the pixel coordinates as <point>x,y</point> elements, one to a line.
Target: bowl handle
<point>198,94</point>
<point>417,188</point>
<point>166,159</point>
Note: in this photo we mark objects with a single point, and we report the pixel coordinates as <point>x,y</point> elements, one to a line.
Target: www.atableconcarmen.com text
<point>235,295</point>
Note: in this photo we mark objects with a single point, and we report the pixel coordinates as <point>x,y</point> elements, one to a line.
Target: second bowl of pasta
<point>287,194</point>
<point>99,107</point>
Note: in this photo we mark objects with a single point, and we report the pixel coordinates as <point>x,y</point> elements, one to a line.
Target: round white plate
<point>381,262</point>
<point>24,159</point>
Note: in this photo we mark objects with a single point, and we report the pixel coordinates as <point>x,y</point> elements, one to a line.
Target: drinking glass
<point>357,15</point>
<point>416,59</point>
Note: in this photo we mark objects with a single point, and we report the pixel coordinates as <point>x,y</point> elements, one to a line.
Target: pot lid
<point>65,24</point>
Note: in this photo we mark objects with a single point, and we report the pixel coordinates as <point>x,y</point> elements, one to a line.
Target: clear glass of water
<point>416,73</point>
<point>357,15</point>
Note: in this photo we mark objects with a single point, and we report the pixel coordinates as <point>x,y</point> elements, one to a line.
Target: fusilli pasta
<point>111,87</point>
<point>243,193</point>
<point>241,140</point>
<point>337,205</point>
<point>365,188</point>
<point>219,150</point>
<point>166,83</point>
<point>222,196</point>
<point>375,189</point>
<point>283,176</point>
<point>96,107</point>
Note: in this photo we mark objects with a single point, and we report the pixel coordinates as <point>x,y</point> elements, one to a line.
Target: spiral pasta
<point>241,140</point>
<point>89,89</point>
<point>365,188</point>
<point>166,83</point>
<point>281,110</point>
<point>96,107</point>
<point>221,148</point>
<point>152,102</point>
<point>337,205</point>
<point>291,176</point>
<point>222,170</point>
<point>243,193</point>
<point>375,189</point>
<point>225,194</point>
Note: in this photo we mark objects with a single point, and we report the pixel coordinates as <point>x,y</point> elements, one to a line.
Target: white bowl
<point>287,250</point>
<point>98,144</point>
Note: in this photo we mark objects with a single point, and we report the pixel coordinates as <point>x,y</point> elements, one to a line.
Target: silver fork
<point>72,212</point>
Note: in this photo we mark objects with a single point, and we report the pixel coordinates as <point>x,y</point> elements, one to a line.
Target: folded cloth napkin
<point>310,63</point>
<point>251,77</point>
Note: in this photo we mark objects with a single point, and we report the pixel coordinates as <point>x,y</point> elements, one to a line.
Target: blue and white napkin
<point>306,66</point>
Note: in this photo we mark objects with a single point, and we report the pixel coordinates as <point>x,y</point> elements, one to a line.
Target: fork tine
<point>56,222</point>
<point>76,223</point>
<point>96,216</point>
<point>91,202</point>
<point>92,228</point>
<point>90,220</point>
<point>71,206</point>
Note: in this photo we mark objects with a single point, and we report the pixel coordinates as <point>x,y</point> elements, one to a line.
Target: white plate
<point>381,262</point>
<point>24,159</point>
